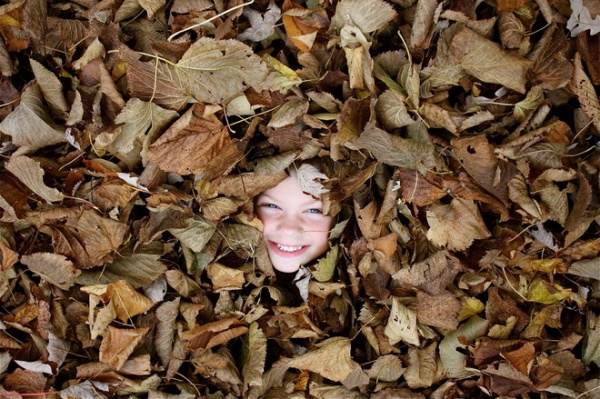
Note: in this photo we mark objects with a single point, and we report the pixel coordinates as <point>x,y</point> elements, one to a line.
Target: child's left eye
<point>315,211</point>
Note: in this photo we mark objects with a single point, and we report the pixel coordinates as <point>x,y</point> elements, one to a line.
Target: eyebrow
<point>305,203</point>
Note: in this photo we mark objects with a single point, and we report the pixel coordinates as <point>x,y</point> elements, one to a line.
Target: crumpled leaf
<point>456,225</point>
<point>262,25</point>
<point>255,356</point>
<point>30,125</point>
<point>31,174</point>
<point>485,60</point>
<point>215,71</point>
<point>164,337</point>
<point>581,19</point>
<point>54,268</point>
<point>422,370</point>
<point>197,143</point>
<point>142,123</point>
<point>331,359</point>
<point>308,176</point>
<point>51,88</point>
<point>368,16</point>
<point>126,300</point>
<point>118,344</point>
<point>402,324</point>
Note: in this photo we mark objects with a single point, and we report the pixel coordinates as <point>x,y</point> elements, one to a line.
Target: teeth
<point>288,249</point>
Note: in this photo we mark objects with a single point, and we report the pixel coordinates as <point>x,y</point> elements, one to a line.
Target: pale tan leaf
<point>288,113</point>
<point>518,192</point>
<point>485,60</point>
<point>127,301</point>
<point>118,344</point>
<point>57,348</point>
<point>367,15</point>
<point>391,110</point>
<point>196,235</point>
<point>181,283</point>
<point>54,268</point>
<point>215,71</point>
<point>213,334</point>
<point>453,361</point>
<point>556,202</point>
<point>7,67</point>
<point>589,268</point>
<point>386,368</point>
<point>142,122</point>
<point>8,256</point>
<point>254,356</point>
<point>331,359</point>
<point>137,268</point>
<point>456,225</point>
<point>164,336</point>
<point>225,278</point>
<point>397,151</point>
<point>402,324</point>
<point>138,365</point>
<point>591,345</point>
<point>93,51</point>
<point>75,115</point>
<point>308,178</point>
<point>423,20</point>
<point>51,88</point>
<point>103,318</point>
<point>30,125</point>
<point>431,275</point>
<point>439,117</point>
<point>422,366</point>
<point>585,92</point>
<point>32,175</point>
<point>152,6</point>
<point>439,310</point>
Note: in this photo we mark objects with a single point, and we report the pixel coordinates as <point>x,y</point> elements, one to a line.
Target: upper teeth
<point>289,249</point>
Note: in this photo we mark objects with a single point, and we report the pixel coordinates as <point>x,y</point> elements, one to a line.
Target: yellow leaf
<point>542,291</point>
<point>127,301</point>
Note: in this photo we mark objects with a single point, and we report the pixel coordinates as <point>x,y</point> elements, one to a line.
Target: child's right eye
<point>270,206</point>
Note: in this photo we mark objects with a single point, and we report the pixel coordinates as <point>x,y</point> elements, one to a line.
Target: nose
<point>289,226</point>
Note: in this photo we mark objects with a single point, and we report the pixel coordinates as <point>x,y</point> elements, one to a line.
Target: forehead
<point>289,189</point>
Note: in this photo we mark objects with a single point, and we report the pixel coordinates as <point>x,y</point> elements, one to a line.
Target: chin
<point>286,268</point>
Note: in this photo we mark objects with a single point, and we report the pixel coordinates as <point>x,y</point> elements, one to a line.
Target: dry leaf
<point>118,344</point>
<point>485,60</point>
<point>456,225</point>
<point>54,268</point>
<point>367,16</point>
<point>331,359</point>
<point>29,172</point>
<point>164,336</point>
<point>126,301</point>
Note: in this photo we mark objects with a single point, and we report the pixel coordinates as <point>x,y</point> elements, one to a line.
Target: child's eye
<point>270,206</point>
<point>315,211</point>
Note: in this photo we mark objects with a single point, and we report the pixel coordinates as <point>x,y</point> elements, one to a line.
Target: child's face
<point>295,229</point>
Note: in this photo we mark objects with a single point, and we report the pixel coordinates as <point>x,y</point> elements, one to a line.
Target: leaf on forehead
<point>248,184</point>
<point>308,176</point>
<point>195,144</point>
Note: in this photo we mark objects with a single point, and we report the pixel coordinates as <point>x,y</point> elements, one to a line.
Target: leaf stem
<point>174,35</point>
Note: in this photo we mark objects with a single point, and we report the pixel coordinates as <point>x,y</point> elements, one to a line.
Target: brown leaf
<point>331,359</point>
<point>486,61</point>
<point>25,381</point>
<point>54,268</point>
<point>456,225</point>
<point>225,278</point>
<point>29,172</point>
<point>500,307</point>
<point>197,143</point>
<point>118,344</point>
<point>438,310</point>
<point>213,334</point>
<point>127,301</point>
<point>302,24</point>
<point>431,275</point>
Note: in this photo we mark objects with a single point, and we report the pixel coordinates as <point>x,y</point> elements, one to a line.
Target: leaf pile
<point>460,144</point>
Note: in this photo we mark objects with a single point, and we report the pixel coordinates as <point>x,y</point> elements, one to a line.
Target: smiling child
<point>295,229</point>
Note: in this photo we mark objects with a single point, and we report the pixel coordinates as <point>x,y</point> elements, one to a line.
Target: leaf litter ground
<point>460,150</point>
